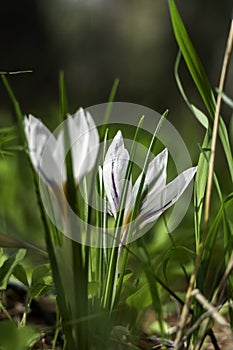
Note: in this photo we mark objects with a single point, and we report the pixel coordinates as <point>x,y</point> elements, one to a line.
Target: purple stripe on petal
<point>152,212</point>
<point>115,197</point>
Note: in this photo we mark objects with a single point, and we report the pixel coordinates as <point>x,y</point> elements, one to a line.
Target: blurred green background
<point>94,42</point>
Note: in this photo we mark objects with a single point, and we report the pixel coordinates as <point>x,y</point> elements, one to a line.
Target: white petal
<point>59,154</point>
<point>37,134</point>
<point>79,137</point>
<point>39,138</point>
<point>100,173</point>
<point>106,203</point>
<point>156,175</point>
<point>93,145</point>
<point>114,171</point>
<point>156,204</point>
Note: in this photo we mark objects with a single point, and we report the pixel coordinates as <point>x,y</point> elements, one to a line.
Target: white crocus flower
<point>157,196</point>
<point>47,152</point>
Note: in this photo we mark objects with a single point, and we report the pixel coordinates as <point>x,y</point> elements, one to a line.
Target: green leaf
<point>201,117</point>
<point>27,337</point>
<point>93,288</point>
<point>202,172</point>
<point>110,298</point>
<point>15,338</point>
<point>21,275</point>
<point>231,131</point>
<point>6,136</point>
<point>199,77</point>
<point>41,278</point>
<point>3,257</point>
<point>141,298</point>
<point>210,247</point>
<point>61,297</point>
<point>226,99</point>
<point>192,60</point>
<point>8,267</point>
<point>185,254</point>
<point>16,105</point>
<point>8,241</point>
<point>223,133</point>
<point>212,233</point>
<point>152,282</point>
<point>63,96</point>
<point>127,275</point>
<point>200,185</point>
<point>109,107</point>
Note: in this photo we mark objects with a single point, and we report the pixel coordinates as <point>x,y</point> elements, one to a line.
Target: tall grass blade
<point>192,60</point>
<point>80,275</point>
<point>108,300</point>
<point>199,77</point>
<point>61,298</point>
<point>153,284</point>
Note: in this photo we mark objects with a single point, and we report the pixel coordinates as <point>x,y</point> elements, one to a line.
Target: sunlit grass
<point>105,296</point>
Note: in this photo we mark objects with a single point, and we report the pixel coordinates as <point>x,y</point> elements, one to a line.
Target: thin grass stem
<point>108,300</point>
<point>185,310</point>
<point>216,124</point>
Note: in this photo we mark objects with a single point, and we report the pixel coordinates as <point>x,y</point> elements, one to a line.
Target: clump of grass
<point>99,297</point>
<point>205,231</point>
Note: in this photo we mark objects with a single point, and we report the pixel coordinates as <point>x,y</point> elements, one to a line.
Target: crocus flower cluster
<point>84,144</point>
<point>84,141</point>
<point>159,195</point>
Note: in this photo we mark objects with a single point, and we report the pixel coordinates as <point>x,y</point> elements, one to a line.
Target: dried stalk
<point>185,311</point>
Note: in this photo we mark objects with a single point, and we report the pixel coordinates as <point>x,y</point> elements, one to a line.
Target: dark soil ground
<point>42,315</point>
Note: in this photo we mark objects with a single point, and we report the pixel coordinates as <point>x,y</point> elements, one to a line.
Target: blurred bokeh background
<point>94,42</point>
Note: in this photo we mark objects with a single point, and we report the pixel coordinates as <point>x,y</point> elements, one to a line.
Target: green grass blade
<point>223,133</point>
<point>200,116</point>
<point>136,208</point>
<point>109,295</point>
<point>63,96</point>
<point>111,99</point>
<point>6,270</point>
<point>227,203</point>
<point>79,262</point>
<point>199,77</point>
<point>226,99</point>
<point>219,221</point>
<point>61,297</point>
<point>16,105</point>
<point>200,185</point>
<point>202,172</point>
<point>149,272</point>
<point>192,60</point>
